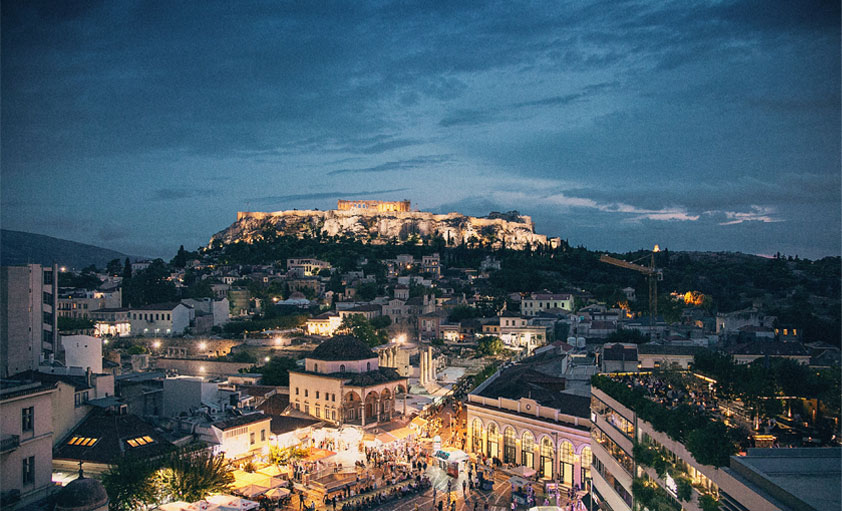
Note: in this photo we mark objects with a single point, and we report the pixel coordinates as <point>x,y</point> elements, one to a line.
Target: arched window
<point>315,368</point>
<point>586,463</point>
<point>493,444</point>
<point>546,465</point>
<point>509,450</point>
<point>566,461</point>
<point>476,435</point>
<point>341,368</point>
<point>527,450</point>
<point>368,366</point>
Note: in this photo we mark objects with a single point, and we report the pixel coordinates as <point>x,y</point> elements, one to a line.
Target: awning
<point>178,505</point>
<point>277,493</point>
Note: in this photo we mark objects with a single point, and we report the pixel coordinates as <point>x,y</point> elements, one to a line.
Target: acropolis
<point>377,206</point>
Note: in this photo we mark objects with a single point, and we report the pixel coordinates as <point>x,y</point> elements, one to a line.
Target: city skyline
<point>703,126</point>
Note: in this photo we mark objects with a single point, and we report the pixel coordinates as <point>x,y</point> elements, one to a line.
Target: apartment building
<point>26,445</point>
<point>28,319</point>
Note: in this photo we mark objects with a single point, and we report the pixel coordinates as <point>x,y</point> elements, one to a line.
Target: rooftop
<point>104,437</point>
<point>343,347</point>
<point>242,420</point>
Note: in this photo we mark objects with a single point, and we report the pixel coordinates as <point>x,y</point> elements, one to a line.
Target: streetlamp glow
<point>203,346</point>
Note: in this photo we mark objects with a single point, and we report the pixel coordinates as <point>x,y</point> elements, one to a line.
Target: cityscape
<point>386,256</point>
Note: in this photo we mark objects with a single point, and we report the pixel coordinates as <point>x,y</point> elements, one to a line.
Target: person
<point>440,505</point>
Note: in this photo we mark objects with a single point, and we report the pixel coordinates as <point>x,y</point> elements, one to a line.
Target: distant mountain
<point>18,247</point>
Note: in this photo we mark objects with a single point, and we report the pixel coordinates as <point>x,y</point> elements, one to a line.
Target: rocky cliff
<point>512,229</point>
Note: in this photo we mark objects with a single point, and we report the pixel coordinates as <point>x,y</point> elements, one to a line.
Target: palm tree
<point>191,476</point>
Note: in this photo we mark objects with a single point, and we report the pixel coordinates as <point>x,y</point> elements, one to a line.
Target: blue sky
<point>141,126</point>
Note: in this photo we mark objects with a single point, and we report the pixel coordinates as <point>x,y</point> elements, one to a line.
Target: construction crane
<point>653,275</point>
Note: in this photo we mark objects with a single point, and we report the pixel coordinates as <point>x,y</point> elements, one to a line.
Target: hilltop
<point>25,247</point>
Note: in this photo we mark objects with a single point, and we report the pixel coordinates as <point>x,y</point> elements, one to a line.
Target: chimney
<point>88,376</point>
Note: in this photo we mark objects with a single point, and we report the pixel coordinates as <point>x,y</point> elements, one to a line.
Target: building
<point>368,311</point>
<point>431,264</point>
<point>538,302</point>
<point>325,324</point>
<point>79,303</point>
<point>26,445</point>
<point>219,309</point>
<point>82,351</point>
<point>343,383</point>
<point>372,206</point>
<point>28,319</point>
<point>625,445</point>
<point>111,322</point>
<point>307,267</point>
<point>516,331</point>
<point>238,437</point>
<point>522,416</point>
<point>747,353</point>
<point>160,319</point>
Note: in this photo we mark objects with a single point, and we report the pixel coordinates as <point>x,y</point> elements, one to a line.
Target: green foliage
<point>462,312</point>
<point>276,371</point>
<point>485,374</point>
<point>192,476</point>
<point>361,328</point>
<point>131,484</point>
<point>84,280</point>
<point>713,442</point>
<point>490,346</point>
<point>368,291</point>
<point>280,322</point>
<point>649,495</point>
<point>708,503</point>
<point>381,322</point>
<point>241,356</point>
<point>149,286</point>
<point>437,342</point>
<point>136,349</point>
<point>114,267</point>
<point>684,488</point>
<point>68,324</point>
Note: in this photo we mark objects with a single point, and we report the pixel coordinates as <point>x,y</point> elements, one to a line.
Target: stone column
<point>431,366</point>
<point>362,409</point>
<point>422,368</point>
<point>577,470</point>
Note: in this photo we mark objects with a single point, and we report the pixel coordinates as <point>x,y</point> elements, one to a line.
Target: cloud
<point>756,214</point>
<point>323,195</point>
<point>413,163</point>
<point>172,194</point>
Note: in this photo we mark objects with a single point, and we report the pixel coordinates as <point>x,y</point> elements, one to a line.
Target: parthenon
<point>378,206</point>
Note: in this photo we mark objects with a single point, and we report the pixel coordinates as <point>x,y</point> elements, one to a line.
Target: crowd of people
<point>668,392</point>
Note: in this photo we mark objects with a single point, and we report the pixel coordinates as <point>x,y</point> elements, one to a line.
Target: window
<point>251,438</point>
<point>140,441</point>
<point>296,391</point>
<point>333,397</point>
<point>333,414</point>
<point>341,368</point>
<point>509,449</point>
<point>306,392</point>
<point>527,450</point>
<point>80,398</point>
<point>368,366</point>
<point>82,441</point>
<point>28,470</point>
<point>27,416</point>
<point>317,394</point>
<point>262,435</point>
<point>315,368</point>
<point>546,458</point>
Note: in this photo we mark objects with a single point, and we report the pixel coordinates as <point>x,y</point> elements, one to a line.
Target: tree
<point>191,476</point>
<point>461,312</point>
<point>131,484</point>
<point>114,267</point>
<point>180,259</point>
<point>359,327</point>
<point>381,322</point>
<point>276,371</point>
<point>627,335</point>
<point>490,346</point>
<point>127,269</point>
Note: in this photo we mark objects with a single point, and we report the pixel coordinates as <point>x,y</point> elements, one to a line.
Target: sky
<point>141,126</point>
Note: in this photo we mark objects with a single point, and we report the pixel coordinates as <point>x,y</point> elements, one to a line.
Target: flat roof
<point>803,478</point>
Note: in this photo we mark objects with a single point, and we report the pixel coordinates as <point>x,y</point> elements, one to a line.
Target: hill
<point>18,247</point>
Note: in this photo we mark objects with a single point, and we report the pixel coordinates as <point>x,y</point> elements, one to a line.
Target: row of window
<point>328,395</point>
<point>262,436</point>
<point>80,398</point>
<point>150,316</point>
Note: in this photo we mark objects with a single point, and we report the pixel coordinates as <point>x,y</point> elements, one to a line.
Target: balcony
<point>9,443</point>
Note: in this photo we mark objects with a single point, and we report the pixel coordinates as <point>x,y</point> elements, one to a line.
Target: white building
<point>28,320</point>
<point>238,437</point>
<point>307,267</point>
<point>160,319</point>
<point>111,322</point>
<point>82,351</point>
<point>220,309</point>
<point>538,302</point>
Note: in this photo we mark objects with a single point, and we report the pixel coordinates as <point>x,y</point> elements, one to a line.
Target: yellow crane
<point>653,275</point>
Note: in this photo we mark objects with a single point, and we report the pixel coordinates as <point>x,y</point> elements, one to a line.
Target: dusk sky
<point>140,126</point>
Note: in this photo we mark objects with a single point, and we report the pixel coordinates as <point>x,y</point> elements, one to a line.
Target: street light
<point>203,346</point>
